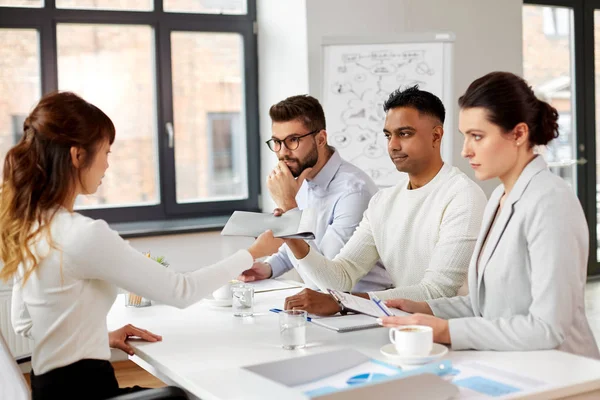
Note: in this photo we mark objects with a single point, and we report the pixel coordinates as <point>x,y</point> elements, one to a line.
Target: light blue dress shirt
<point>339,194</point>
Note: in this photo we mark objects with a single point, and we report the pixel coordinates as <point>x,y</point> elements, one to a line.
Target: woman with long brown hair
<point>66,267</point>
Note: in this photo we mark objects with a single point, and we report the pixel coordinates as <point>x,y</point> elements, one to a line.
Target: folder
<point>294,224</point>
<point>347,323</point>
<point>341,323</point>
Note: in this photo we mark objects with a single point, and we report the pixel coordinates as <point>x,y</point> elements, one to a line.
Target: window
<point>20,76</point>
<point>179,83</point>
<point>547,67</point>
<point>198,98</point>
<point>206,6</point>
<point>557,21</point>
<point>226,156</point>
<point>561,49</point>
<point>102,66</point>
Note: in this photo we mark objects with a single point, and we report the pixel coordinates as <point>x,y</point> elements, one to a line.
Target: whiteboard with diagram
<point>358,76</point>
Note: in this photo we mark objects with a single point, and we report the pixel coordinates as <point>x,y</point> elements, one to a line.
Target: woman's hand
<point>118,339</point>
<point>441,331</point>
<point>413,307</point>
<point>265,245</point>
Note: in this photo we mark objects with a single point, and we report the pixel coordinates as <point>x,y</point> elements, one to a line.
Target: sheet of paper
<point>481,381</point>
<point>399,313</point>
<point>359,304</point>
<point>269,285</point>
<point>308,220</point>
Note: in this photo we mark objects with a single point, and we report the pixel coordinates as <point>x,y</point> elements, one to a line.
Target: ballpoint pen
<point>382,305</point>
<point>278,310</point>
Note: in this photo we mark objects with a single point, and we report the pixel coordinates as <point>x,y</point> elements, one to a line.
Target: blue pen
<point>278,310</point>
<point>382,306</point>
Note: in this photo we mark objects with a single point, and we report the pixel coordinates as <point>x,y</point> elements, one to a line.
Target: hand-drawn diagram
<point>357,81</point>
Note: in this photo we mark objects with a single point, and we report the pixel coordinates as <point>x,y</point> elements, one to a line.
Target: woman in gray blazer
<point>528,271</point>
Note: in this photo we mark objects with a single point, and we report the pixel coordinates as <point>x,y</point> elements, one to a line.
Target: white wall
<point>488,38</point>
<point>188,252</point>
<point>282,67</point>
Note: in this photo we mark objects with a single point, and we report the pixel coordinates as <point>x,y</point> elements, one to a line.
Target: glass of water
<point>292,327</point>
<point>242,300</point>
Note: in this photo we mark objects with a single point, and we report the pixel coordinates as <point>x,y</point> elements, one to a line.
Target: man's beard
<point>308,162</point>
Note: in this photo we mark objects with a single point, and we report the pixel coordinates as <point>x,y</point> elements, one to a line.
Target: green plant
<point>159,259</point>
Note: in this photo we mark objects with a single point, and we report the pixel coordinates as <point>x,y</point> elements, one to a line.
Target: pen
<point>381,305</point>
<point>278,310</point>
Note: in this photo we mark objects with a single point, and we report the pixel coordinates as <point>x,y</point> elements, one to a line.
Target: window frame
<point>45,21</point>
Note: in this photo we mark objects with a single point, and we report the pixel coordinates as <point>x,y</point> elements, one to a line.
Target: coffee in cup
<point>412,340</point>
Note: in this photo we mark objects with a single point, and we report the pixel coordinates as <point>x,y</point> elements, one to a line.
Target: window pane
<point>126,5</point>
<point>206,6</point>
<point>548,67</point>
<point>21,3</point>
<point>112,66</point>
<point>208,99</point>
<point>19,77</point>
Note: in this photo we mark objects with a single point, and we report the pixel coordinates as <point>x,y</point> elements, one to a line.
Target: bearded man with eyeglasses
<point>311,174</point>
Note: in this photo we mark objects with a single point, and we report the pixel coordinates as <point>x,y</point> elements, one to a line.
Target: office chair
<point>13,385</point>
<point>12,382</point>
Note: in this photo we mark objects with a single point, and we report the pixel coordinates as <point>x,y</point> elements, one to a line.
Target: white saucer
<point>437,351</point>
<point>217,302</point>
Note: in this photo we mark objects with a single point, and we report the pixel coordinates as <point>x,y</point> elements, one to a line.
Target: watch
<point>343,310</point>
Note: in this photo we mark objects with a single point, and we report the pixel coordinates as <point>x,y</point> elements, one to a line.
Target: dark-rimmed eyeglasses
<point>291,142</point>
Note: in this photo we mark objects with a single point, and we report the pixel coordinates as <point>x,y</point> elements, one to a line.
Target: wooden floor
<point>130,374</point>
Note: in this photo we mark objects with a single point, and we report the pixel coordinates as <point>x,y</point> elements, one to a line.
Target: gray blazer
<point>526,292</point>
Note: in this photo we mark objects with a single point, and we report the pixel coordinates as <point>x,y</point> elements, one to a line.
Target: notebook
<point>294,224</point>
<point>347,323</point>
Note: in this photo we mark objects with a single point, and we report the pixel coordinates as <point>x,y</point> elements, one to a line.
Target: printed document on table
<point>477,380</point>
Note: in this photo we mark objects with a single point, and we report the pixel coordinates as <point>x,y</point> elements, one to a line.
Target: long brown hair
<point>39,175</point>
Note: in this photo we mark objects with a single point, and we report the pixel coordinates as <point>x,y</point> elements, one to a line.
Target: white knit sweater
<point>63,305</point>
<point>424,237</point>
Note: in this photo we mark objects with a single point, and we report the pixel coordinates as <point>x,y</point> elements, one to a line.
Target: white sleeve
<point>354,261</point>
<point>19,315</point>
<point>100,253</point>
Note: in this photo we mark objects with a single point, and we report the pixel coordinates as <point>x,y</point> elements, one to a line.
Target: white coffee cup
<point>224,292</point>
<point>412,340</point>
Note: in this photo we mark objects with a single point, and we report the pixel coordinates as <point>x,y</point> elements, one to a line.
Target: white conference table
<point>204,348</point>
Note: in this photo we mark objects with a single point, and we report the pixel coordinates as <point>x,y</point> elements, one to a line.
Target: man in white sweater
<point>423,229</point>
